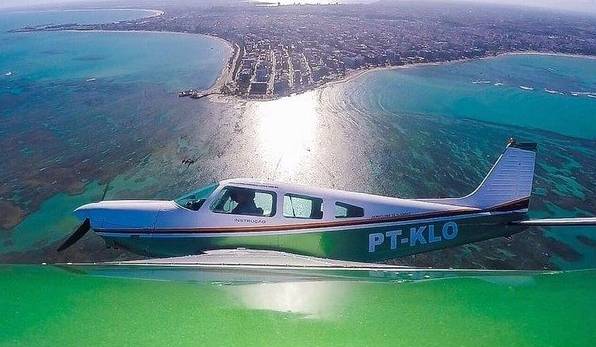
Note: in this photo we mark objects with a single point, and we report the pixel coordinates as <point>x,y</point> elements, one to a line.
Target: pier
<point>195,94</point>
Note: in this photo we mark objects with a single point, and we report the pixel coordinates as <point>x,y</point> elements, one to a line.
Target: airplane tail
<point>508,185</point>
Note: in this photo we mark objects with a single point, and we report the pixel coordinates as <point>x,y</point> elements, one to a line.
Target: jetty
<point>195,94</point>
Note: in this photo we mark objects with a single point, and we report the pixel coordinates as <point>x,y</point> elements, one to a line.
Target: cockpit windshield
<point>194,200</point>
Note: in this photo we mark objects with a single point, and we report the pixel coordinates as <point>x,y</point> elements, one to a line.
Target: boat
<point>325,223</point>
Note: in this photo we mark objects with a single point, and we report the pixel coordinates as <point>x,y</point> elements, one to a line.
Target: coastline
<point>231,59</point>
<point>569,55</point>
<point>155,13</point>
<point>353,74</point>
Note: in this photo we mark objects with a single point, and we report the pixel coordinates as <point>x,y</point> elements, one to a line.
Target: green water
<point>49,306</point>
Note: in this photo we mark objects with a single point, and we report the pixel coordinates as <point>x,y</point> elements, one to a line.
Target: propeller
<point>76,236</point>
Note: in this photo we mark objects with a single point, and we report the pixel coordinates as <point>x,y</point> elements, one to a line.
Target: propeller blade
<point>76,236</point>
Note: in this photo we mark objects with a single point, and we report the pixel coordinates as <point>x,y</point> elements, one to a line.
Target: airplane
<point>317,222</point>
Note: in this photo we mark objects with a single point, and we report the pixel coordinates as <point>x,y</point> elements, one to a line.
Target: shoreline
<point>353,74</point>
<point>224,75</point>
<point>155,13</point>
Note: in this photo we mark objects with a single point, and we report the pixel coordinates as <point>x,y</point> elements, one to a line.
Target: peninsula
<point>280,50</point>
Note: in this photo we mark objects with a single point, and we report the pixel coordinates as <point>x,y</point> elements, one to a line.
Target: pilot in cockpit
<point>245,198</point>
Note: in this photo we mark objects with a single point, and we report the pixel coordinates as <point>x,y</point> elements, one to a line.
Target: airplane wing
<point>253,258</point>
<point>566,222</point>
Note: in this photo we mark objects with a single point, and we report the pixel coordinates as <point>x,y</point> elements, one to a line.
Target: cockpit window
<point>343,210</point>
<point>300,206</point>
<point>194,201</point>
<point>245,201</point>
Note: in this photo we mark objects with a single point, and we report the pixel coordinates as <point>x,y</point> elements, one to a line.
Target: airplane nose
<point>84,211</point>
<point>118,214</point>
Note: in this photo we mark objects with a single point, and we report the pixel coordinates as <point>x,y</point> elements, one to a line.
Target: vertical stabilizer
<point>509,183</point>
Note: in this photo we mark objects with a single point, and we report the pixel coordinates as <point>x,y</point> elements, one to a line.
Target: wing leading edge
<point>567,222</point>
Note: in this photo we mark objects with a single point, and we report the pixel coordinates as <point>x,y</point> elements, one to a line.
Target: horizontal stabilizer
<point>563,222</point>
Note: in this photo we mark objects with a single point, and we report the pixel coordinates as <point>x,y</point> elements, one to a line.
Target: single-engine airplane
<point>325,223</point>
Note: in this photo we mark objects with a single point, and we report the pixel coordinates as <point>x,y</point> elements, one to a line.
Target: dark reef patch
<point>586,240</point>
<point>90,247</point>
<point>53,51</point>
<point>11,215</point>
<point>561,249</point>
<point>90,58</point>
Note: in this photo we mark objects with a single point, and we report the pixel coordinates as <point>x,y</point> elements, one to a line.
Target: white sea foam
<point>481,82</point>
<point>526,88</point>
<point>550,91</point>
<point>588,94</point>
<point>498,84</point>
<point>91,79</point>
<point>9,73</point>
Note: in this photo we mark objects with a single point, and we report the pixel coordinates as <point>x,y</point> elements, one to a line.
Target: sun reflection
<point>313,299</point>
<point>286,132</point>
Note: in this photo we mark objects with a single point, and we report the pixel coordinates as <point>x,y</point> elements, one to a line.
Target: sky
<point>585,6</point>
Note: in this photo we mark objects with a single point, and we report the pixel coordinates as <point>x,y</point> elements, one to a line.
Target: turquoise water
<point>440,128</point>
<point>554,93</point>
<point>10,20</point>
<point>97,113</point>
<point>79,106</point>
<point>175,60</point>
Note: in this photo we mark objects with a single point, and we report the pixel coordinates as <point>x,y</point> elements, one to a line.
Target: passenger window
<point>245,201</point>
<point>343,210</point>
<point>300,206</point>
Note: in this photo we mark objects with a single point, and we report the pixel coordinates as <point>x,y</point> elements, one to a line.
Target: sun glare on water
<point>286,132</point>
<point>312,299</point>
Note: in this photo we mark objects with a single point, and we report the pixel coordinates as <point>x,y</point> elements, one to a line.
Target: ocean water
<point>113,128</point>
<point>439,128</point>
<point>95,305</point>
<point>556,94</point>
<point>12,20</point>
<point>171,60</point>
<point>72,99</point>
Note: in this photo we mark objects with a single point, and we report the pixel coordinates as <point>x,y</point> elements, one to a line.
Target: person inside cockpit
<point>245,198</point>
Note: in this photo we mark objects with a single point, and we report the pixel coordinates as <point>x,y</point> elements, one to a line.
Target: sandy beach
<point>353,74</point>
